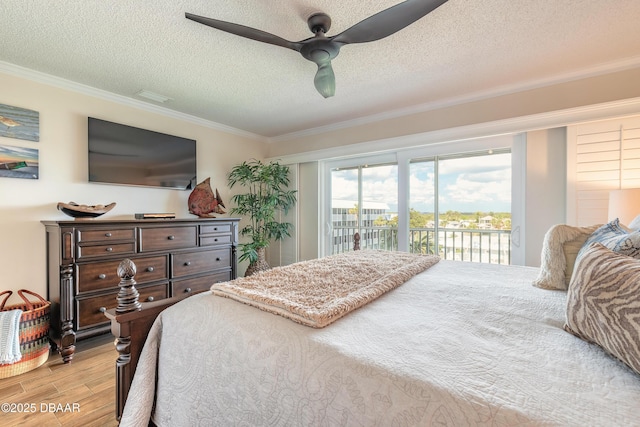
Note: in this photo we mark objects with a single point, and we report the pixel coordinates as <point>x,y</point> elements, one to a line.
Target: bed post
<point>130,324</point>
<point>128,295</point>
<point>127,302</point>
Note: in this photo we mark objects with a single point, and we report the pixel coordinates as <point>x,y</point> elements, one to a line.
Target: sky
<point>16,154</point>
<point>470,184</point>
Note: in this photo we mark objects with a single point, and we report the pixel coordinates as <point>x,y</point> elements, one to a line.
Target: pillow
<point>570,250</point>
<point>635,223</point>
<point>615,237</point>
<point>603,303</point>
<point>559,250</point>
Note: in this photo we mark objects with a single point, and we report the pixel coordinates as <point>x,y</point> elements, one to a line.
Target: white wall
<point>63,171</point>
<point>546,178</point>
<point>309,216</point>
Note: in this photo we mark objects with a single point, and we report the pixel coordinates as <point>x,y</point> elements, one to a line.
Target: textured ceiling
<point>464,49</point>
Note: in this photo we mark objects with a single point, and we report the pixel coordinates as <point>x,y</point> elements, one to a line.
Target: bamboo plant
<point>267,196</point>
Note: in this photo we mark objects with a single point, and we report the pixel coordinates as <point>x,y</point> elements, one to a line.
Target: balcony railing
<point>489,246</point>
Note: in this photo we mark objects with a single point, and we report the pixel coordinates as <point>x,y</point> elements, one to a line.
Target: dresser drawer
<point>163,238</point>
<point>188,263</point>
<point>224,227</point>
<point>105,250</point>
<point>105,235</point>
<point>199,284</point>
<point>212,240</point>
<point>90,310</point>
<point>104,274</point>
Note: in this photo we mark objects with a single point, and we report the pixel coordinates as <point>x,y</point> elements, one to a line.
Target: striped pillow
<point>603,303</point>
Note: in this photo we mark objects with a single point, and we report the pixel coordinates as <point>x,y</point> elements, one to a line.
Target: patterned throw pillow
<point>603,303</point>
<point>560,247</point>
<point>615,237</point>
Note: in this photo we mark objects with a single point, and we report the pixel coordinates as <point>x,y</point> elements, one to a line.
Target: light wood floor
<point>80,393</point>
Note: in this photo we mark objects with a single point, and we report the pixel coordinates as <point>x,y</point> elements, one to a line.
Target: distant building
<point>344,221</point>
<point>485,222</point>
<point>344,214</point>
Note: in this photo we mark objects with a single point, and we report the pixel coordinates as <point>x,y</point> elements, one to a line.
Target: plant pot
<point>259,265</point>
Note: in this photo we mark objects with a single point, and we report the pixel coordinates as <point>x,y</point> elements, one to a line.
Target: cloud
<point>380,184</point>
<point>468,194</point>
<point>467,184</point>
<point>421,186</point>
<point>18,152</point>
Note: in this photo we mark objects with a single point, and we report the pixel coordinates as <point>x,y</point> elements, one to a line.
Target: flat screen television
<point>126,155</point>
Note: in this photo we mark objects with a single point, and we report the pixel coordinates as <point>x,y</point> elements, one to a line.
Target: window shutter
<point>601,156</point>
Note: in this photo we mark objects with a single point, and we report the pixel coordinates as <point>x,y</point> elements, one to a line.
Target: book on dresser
<point>174,257</point>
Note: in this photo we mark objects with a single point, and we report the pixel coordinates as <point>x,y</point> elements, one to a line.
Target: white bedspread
<point>458,345</point>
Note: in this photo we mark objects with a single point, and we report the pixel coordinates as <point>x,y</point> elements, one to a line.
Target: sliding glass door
<point>364,201</point>
<point>460,206</point>
<point>454,206</point>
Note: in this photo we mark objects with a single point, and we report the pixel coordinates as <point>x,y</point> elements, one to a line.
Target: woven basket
<point>34,333</point>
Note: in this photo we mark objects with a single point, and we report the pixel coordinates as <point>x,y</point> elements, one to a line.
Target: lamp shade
<point>624,204</point>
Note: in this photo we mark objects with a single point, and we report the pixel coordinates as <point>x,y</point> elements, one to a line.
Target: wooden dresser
<point>173,257</point>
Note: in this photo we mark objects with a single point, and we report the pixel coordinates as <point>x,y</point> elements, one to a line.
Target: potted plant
<point>267,196</point>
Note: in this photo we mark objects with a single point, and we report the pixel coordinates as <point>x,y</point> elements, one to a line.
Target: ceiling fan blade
<point>388,21</point>
<point>241,30</point>
<point>325,80</point>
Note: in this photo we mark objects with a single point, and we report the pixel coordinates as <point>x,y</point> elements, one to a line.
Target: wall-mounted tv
<point>120,154</point>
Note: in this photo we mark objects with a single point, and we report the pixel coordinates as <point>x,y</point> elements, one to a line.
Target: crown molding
<point>39,77</point>
<point>598,70</point>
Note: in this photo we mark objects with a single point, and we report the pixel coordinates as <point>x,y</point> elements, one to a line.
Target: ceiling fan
<point>321,49</point>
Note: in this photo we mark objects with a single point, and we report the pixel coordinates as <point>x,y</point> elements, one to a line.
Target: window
<point>458,207</point>
<point>365,201</point>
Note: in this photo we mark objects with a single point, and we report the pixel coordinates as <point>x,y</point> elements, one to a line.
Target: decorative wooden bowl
<point>84,211</point>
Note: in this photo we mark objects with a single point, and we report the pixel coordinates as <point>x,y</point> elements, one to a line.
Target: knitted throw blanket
<point>10,337</point>
<point>320,291</point>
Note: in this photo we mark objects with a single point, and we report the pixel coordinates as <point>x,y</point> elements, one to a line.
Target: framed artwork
<point>20,123</point>
<point>18,162</point>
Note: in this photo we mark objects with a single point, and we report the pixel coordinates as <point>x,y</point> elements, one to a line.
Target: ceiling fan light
<point>327,91</point>
<point>325,80</point>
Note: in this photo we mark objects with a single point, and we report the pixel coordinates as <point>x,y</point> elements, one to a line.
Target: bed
<point>454,345</point>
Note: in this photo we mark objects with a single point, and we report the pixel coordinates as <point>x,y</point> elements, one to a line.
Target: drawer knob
<point>217,258</point>
<point>107,234</point>
<point>171,237</point>
<point>215,240</point>
<point>102,276</point>
<point>109,249</point>
<point>188,263</point>
<point>150,299</point>
<point>215,228</point>
<point>150,269</point>
<point>102,309</point>
<point>187,290</point>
